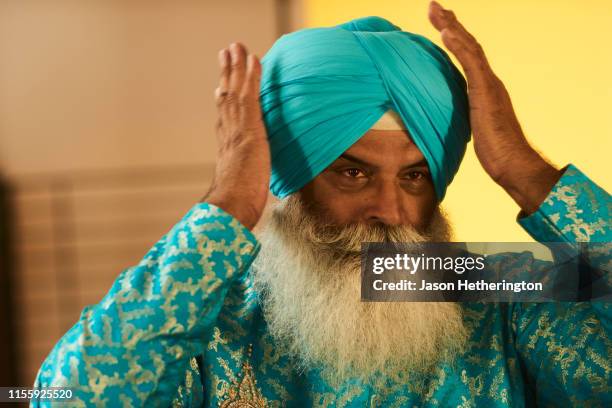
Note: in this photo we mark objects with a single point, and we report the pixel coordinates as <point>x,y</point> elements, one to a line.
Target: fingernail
<point>442,12</point>
<point>234,49</point>
<point>222,56</point>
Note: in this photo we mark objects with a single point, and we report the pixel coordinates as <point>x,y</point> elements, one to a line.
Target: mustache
<point>349,238</point>
<point>345,239</point>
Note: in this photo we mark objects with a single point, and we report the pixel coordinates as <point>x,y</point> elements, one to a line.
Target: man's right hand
<point>242,173</point>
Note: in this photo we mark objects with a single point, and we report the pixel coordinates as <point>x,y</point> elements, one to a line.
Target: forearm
<point>136,343</point>
<point>528,178</point>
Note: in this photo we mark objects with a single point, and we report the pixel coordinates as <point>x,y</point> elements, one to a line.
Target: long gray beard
<point>307,275</point>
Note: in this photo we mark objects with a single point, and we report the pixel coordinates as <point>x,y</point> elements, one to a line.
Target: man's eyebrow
<point>352,158</point>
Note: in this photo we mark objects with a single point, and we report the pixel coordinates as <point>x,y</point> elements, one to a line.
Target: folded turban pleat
<point>323,88</point>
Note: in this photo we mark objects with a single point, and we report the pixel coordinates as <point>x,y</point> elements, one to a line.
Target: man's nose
<point>385,204</point>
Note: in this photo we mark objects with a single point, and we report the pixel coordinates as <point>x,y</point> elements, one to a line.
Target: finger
<point>238,68</point>
<point>473,62</point>
<point>224,63</point>
<point>446,21</point>
<point>222,89</point>
<point>462,44</point>
<point>436,16</point>
<point>250,91</point>
<point>442,18</point>
<point>253,76</point>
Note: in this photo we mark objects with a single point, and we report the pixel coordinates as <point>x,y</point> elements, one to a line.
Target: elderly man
<point>359,129</point>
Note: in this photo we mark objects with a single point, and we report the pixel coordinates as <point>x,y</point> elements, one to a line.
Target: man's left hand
<point>499,142</point>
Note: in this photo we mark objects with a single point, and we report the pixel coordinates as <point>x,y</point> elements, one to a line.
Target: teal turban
<point>323,88</point>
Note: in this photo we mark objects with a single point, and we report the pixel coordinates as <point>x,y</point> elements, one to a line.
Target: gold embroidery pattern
<point>244,392</point>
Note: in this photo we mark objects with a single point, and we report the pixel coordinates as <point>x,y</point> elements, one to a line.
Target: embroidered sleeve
<point>576,210</point>
<point>566,346</point>
<point>135,346</point>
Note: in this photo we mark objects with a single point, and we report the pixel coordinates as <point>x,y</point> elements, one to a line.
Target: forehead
<point>386,145</point>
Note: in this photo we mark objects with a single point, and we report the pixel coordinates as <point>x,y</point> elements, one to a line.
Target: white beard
<point>308,277</point>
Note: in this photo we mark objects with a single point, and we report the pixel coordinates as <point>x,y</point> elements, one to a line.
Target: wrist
<point>529,179</point>
<point>235,207</point>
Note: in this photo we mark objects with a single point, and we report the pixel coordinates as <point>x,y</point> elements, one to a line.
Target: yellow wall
<point>555,59</point>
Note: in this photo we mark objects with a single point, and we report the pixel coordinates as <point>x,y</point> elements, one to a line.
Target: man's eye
<point>353,173</point>
<point>415,175</point>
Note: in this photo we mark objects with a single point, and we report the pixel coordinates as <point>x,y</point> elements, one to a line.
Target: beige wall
<point>106,84</point>
<point>106,131</point>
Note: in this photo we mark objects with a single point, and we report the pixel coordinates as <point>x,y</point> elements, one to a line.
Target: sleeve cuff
<point>575,210</point>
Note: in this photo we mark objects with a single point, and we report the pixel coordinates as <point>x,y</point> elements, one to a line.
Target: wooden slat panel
<point>77,232</point>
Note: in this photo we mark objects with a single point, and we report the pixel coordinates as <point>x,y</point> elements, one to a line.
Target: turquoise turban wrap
<point>323,88</point>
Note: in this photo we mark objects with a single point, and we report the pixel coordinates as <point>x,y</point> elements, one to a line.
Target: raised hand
<point>499,142</point>
<point>242,173</point>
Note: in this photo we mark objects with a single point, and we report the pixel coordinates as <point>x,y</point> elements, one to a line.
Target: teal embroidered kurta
<point>184,328</point>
